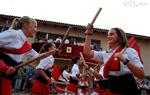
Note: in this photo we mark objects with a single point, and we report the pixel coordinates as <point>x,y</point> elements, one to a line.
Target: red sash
<point>25,47</point>
<point>112,64</point>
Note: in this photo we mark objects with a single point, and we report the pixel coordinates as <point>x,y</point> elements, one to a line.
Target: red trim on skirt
<point>5,86</point>
<point>39,88</point>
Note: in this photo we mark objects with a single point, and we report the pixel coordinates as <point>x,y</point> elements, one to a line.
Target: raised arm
<point>87,45</point>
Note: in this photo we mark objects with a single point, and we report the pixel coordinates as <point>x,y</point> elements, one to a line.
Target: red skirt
<point>84,90</point>
<point>61,89</point>
<point>72,88</point>
<point>39,88</point>
<point>5,86</point>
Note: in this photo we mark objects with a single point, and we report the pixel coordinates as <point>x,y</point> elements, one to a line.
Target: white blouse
<point>46,63</point>
<point>129,53</point>
<point>65,76</point>
<point>75,70</point>
<point>14,39</point>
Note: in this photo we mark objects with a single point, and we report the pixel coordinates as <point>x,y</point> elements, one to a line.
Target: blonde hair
<point>19,22</point>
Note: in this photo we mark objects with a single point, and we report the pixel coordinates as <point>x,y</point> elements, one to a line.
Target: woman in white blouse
<point>122,66</point>
<point>13,44</point>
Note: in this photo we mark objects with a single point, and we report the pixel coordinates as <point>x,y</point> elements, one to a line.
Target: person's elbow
<point>88,54</point>
<point>39,71</point>
<point>141,75</point>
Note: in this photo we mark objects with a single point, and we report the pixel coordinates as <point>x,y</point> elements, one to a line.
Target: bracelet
<point>126,61</point>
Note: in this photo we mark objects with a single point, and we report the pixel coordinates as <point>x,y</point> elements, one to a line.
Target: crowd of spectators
<point>23,80</point>
<point>70,40</point>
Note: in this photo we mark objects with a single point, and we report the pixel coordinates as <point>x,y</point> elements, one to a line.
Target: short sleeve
<point>75,71</point>
<point>134,57</point>
<point>7,37</point>
<point>45,63</point>
<point>31,53</point>
<point>66,74</point>
<point>98,56</point>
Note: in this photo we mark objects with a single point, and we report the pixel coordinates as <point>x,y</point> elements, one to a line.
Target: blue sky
<point>130,15</point>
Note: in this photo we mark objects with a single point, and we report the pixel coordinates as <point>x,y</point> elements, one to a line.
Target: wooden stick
<point>83,59</point>
<point>84,73</point>
<point>88,72</point>
<point>41,56</point>
<point>123,50</point>
<point>60,88</point>
<point>98,64</point>
<point>56,82</point>
<point>92,22</point>
<point>64,38</point>
<point>64,90</point>
<point>95,17</point>
<point>83,69</point>
<point>85,62</point>
<point>41,48</point>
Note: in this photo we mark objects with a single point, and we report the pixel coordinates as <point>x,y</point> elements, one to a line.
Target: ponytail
<point>15,24</point>
<point>19,22</point>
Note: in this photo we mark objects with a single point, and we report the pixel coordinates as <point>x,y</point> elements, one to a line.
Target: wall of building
<point>144,43</point>
<point>145,54</point>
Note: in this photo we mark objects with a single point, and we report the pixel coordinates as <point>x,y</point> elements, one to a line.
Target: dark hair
<point>46,46</point>
<point>63,68</point>
<point>19,22</point>
<point>75,59</point>
<point>122,37</point>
